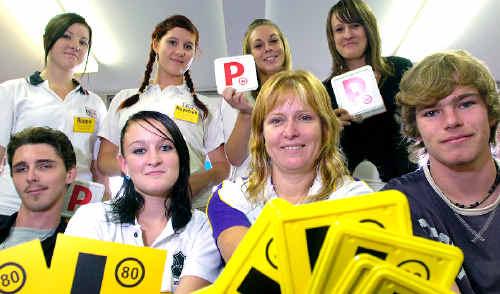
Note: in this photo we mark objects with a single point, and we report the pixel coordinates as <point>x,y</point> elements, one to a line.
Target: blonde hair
<point>247,48</point>
<point>330,163</point>
<point>434,78</point>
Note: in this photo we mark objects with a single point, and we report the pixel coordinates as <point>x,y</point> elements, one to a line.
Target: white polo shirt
<point>29,102</point>
<point>192,247</point>
<point>229,116</point>
<point>201,137</point>
<point>229,205</point>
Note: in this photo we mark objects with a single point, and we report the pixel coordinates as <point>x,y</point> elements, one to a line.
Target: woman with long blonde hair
<point>294,154</point>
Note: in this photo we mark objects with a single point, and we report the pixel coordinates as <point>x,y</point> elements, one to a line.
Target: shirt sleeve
<point>85,222</point>
<point>228,117</point>
<point>421,225</point>
<point>351,188</point>
<point>6,114</point>
<point>204,261</point>
<point>100,114</point>
<point>223,216</point>
<point>213,137</point>
<point>110,129</point>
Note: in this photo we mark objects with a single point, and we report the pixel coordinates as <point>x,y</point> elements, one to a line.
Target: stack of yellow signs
<point>355,245</point>
<point>81,265</point>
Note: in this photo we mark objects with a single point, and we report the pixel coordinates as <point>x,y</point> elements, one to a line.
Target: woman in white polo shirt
<point>53,98</point>
<point>153,207</point>
<point>174,44</point>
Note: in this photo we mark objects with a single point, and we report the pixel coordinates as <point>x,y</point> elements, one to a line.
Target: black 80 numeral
<point>6,279</point>
<point>132,273</point>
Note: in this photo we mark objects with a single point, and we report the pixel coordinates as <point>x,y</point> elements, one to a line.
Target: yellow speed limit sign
<point>82,265</point>
<point>23,269</point>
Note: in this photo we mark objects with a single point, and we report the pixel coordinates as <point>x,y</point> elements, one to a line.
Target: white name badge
<point>237,72</point>
<point>357,92</point>
<point>81,193</point>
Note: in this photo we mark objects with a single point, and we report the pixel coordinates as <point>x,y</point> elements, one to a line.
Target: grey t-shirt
<point>20,235</point>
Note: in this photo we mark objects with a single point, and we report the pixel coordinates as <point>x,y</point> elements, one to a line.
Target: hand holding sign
<point>237,72</point>
<point>357,92</point>
<point>237,100</point>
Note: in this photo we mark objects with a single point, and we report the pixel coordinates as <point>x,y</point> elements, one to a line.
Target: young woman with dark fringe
<point>174,44</point>
<point>53,97</point>
<point>153,207</point>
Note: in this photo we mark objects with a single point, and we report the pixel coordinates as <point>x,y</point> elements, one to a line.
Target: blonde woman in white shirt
<point>295,155</point>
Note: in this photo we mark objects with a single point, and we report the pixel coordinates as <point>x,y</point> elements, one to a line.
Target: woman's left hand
<point>237,100</point>
<point>344,116</point>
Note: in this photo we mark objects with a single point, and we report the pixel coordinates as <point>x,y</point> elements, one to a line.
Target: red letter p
<point>76,199</point>
<point>230,75</point>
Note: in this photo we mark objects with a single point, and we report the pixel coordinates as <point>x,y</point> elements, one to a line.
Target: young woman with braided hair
<point>173,46</point>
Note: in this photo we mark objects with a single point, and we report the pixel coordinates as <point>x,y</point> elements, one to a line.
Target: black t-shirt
<point>378,138</point>
<point>432,218</point>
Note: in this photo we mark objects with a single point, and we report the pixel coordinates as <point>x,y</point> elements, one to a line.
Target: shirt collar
<point>155,87</point>
<point>36,79</point>
<point>167,231</point>
<point>270,193</point>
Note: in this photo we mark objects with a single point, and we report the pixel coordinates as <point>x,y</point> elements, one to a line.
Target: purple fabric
<point>222,216</point>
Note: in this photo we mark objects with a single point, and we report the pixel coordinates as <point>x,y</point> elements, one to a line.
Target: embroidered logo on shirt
<point>177,265</point>
<point>91,112</point>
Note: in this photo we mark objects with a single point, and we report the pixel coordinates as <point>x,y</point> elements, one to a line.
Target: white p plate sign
<point>237,72</point>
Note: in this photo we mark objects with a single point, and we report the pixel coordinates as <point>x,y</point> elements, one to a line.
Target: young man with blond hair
<point>450,110</point>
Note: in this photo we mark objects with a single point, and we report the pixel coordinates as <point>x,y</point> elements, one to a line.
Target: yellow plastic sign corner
<point>206,290</point>
<point>301,229</point>
<point>433,261</point>
<point>82,265</point>
<point>23,269</point>
<point>354,274</point>
<point>387,279</point>
<point>253,267</point>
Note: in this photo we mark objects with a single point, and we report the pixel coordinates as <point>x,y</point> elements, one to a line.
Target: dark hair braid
<point>145,82</point>
<point>197,102</point>
<point>160,30</point>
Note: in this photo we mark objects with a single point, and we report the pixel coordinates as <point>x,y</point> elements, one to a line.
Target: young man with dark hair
<point>450,110</point>
<point>42,164</point>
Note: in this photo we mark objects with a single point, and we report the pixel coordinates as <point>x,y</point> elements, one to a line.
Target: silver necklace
<point>477,235</point>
